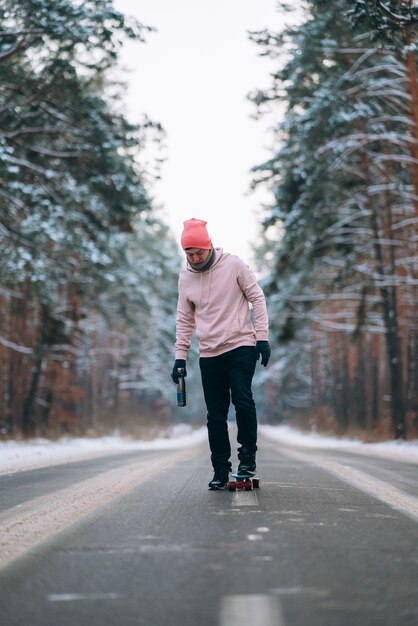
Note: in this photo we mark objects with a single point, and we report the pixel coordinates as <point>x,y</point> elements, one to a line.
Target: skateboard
<point>247,483</point>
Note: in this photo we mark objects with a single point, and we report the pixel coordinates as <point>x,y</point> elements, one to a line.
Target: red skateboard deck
<point>246,483</point>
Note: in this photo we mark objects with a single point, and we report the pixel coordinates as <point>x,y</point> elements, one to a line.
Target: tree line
<point>88,270</point>
<point>87,267</point>
<point>341,233</point>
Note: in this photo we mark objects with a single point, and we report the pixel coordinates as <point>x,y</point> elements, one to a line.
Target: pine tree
<point>344,141</point>
<point>77,224</point>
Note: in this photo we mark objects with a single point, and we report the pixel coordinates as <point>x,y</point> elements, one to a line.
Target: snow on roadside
<point>16,456</point>
<point>406,451</point>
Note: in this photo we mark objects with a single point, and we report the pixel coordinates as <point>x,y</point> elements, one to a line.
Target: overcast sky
<point>193,76</point>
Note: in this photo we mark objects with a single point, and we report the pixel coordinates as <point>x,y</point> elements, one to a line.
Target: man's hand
<point>178,364</point>
<point>263,348</point>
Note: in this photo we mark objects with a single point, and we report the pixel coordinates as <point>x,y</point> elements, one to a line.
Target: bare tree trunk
<point>412,75</point>
<point>41,349</point>
<point>388,299</point>
<point>388,295</point>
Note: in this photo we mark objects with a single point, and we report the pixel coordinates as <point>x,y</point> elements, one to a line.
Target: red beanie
<point>195,235</point>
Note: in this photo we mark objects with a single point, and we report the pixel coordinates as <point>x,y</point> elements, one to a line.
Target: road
<point>330,539</point>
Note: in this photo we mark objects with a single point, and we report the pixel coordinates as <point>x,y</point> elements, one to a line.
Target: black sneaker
<point>247,464</point>
<point>220,479</point>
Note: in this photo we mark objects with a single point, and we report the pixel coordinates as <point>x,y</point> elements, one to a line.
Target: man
<point>215,289</point>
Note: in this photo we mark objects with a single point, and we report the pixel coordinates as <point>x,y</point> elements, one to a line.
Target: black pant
<point>224,378</point>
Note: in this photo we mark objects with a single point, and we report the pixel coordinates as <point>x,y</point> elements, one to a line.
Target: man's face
<point>197,256</point>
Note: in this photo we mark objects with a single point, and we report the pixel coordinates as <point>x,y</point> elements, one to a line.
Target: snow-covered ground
<point>18,456</point>
<point>398,450</point>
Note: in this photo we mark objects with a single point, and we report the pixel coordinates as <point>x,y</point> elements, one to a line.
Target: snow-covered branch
<point>397,17</point>
<point>57,154</point>
<point>37,131</point>
<point>19,43</point>
<point>14,346</point>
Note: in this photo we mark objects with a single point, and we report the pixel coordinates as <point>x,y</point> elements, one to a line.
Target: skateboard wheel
<point>249,486</point>
<point>232,486</point>
<point>256,483</point>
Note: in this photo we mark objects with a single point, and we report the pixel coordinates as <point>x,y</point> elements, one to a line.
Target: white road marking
<point>71,597</point>
<point>379,489</point>
<point>36,520</point>
<point>313,592</point>
<point>244,498</point>
<point>257,609</point>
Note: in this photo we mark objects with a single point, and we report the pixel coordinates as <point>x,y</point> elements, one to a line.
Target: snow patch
<point>398,450</point>
<point>21,455</point>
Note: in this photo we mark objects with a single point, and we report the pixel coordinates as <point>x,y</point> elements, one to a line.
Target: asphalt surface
<point>309,548</point>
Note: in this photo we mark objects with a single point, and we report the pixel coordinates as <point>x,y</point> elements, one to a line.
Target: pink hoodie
<point>215,302</point>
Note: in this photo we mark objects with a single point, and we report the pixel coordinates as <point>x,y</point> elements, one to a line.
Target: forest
<point>88,268</point>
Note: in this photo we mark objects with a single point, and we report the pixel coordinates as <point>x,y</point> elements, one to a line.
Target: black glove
<point>179,363</point>
<point>263,348</point>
